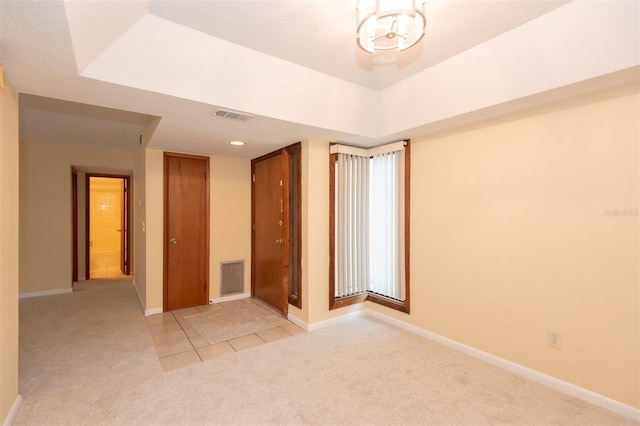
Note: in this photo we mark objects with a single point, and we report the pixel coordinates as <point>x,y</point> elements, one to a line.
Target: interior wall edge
<point>13,412</point>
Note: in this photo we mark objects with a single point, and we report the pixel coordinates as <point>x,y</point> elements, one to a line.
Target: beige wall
<point>519,224</point>
<point>514,231</point>
<point>230,219</point>
<point>315,236</point>
<point>45,208</point>
<point>8,250</point>
<point>154,229</point>
<point>230,222</point>
<point>138,225</point>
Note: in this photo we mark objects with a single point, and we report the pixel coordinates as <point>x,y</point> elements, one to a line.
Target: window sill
<point>402,306</point>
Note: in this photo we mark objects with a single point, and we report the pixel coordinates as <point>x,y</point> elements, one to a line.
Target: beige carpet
<point>226,324</point>
<point>86,358</point>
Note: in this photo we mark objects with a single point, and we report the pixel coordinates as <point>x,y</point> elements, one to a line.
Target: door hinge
<point>280,182</point>
<point>254,178</point>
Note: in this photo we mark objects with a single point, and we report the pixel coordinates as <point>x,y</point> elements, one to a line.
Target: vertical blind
<point>370,222</point>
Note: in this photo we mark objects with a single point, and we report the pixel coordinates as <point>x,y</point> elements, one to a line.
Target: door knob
<point>173,241</point>
<point>279,241</point>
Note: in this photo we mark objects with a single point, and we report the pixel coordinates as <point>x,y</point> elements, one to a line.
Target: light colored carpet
<point>226,324</point>
<point>86,358</point>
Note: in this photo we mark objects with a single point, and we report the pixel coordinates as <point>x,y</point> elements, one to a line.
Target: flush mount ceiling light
<point>390,24</point>
<point>237,142</point>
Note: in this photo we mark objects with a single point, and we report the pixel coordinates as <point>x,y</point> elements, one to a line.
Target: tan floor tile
<point>213,351</point>
<point>273,334</point>
<point>198,341</point>
<point>164,327</point>
<point>190,331</point>
<point>168,336</point>
<point>160,318</point>
<point>246,342</point>
<point>182,321</point>
<point>186,311</point>
<point>179,360</point>
<point>260,304</point>
<point>173,347</point>
<point>292,328</point>
<point>231,304</point>
<point>209,308</point>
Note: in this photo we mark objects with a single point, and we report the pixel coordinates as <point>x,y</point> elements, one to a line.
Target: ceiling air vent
<point>233,115</point>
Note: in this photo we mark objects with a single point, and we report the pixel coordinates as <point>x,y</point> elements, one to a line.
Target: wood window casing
<point>338,302</point>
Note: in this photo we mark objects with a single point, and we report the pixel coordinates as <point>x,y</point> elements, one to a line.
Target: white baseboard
<point>326,323</point>
<point>45,293</point>
<point>13,413</point>
<point>536,376</point>
<point>229,298</point>
<point>141,300</point>
<point>334,321</point>
<point>297,321</point>
<point>153,311</point>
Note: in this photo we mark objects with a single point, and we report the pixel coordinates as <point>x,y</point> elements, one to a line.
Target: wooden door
<point>270,239</point>
<point>186,245</point>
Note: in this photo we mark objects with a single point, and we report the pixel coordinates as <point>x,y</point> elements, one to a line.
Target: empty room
<point>320,212</point>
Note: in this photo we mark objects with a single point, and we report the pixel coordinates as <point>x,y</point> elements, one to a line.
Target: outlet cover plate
<point>554,339</point>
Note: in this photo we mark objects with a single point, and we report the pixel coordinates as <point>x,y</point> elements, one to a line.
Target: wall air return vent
<point>231,277</point>
<point>232,115</point>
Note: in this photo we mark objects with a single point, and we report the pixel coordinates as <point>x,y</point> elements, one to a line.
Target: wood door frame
<point>295,223</point>
<point>126,195</point>
<point>165,226</point>
<point>74,225</point>
<point>125,246</point>
<point>295,257</point>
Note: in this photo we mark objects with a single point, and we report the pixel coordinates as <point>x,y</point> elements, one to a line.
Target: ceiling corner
<point>89,39</point>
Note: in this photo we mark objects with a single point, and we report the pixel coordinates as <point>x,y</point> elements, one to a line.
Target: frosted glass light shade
<point>390,24</point>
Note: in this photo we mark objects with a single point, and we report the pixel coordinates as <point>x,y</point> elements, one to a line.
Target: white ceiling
<point>101,72</point>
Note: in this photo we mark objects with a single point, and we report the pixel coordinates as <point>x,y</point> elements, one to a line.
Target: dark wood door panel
<point>186,231</point>
<point>269,237</point>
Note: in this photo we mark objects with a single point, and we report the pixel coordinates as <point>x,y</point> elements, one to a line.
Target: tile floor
<point>178,344</point>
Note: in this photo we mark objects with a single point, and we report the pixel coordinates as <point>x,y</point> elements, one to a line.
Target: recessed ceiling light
<point>237,142</point>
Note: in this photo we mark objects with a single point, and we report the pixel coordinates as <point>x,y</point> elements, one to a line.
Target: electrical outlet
<point>554,339</point>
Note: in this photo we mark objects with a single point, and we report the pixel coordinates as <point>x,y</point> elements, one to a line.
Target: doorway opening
<point>107,226</point>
